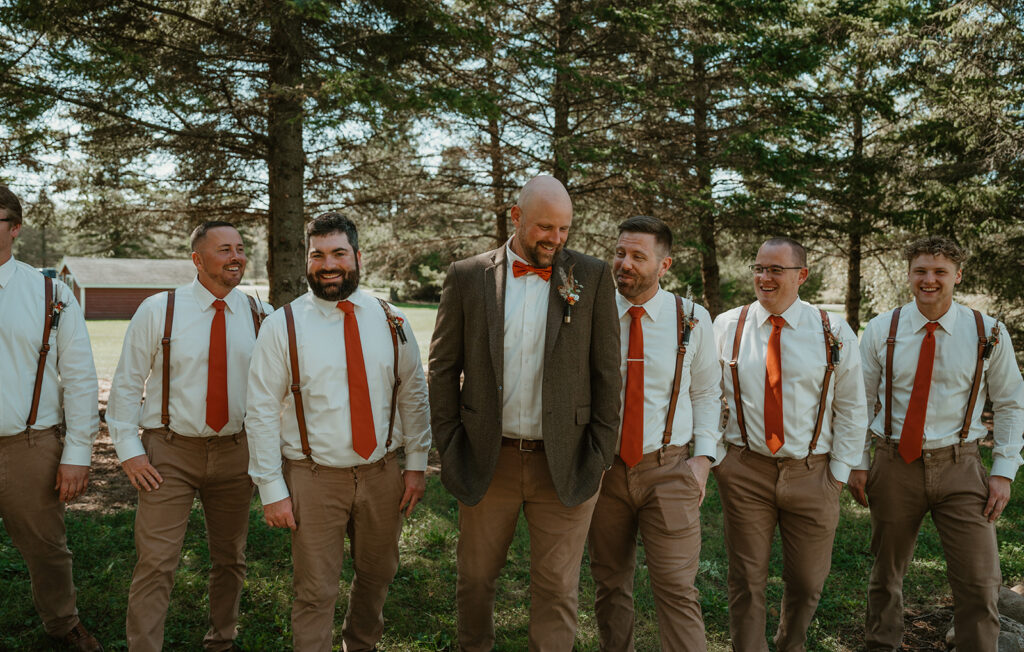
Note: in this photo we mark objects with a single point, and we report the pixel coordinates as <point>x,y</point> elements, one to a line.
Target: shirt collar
<point>7,271</point>
<point>791,315</point>
<point>328,308</point>
<point>512,256</point>
<point>652,307</point>
<point>917,320</point>
<point>205,298</point>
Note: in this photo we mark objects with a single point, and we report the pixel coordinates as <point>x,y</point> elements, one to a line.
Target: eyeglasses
<point>6,219</point>
<point>773,270</point>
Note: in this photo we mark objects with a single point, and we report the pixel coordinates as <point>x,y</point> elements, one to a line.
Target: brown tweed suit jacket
<point>580,397</point>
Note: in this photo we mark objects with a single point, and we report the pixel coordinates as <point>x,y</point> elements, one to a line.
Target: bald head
<point>542,218</point>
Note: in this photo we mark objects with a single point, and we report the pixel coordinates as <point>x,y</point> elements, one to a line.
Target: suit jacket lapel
<point>556,305</point>
<point>494,307</point>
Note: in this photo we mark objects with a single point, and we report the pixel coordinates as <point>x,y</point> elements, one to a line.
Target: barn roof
<point>129,272</point>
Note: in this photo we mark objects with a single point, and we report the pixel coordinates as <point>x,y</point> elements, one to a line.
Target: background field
<point>420,612</point>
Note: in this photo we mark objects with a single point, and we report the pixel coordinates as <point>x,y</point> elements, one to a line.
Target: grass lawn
<point>420,612</point>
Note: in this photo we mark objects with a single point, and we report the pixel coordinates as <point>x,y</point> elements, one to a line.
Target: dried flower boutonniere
<point>58,307</point>
<point>569,291</point>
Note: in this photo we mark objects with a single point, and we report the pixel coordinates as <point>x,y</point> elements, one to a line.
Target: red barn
<point>113,288</point>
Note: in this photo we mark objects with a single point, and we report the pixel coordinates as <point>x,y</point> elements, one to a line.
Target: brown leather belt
<point>528,445</point>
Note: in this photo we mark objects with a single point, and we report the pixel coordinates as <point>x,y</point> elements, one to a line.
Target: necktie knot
<point>931,326</point>
<point>636,312</point>
<point>347,307</point>
<point>220,305</point>
<point>521,268</point>
<point>778,321</point>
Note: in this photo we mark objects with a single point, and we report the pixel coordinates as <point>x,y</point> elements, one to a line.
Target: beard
<point>337,290</point>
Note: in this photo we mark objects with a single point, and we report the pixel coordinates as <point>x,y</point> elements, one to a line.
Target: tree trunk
<point>497,182</point>
<point>286,259</point>
<point>560,92</point>
<point>705,209</point>
<point>856,230</point>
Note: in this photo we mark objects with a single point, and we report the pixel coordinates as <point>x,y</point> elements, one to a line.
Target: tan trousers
<point>557,536</point>
<point>327,502</point>
<point>33,516</point>
<point>659,497</point>
<point>952,484</point>
<point>217,469</point>
<point>798,495</point>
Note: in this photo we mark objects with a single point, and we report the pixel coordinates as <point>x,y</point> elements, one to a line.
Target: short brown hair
<point>935,245</point>
<point>200,231</point>
<point>647,224</point>
<point>9,204</point>
<point>799,253</point>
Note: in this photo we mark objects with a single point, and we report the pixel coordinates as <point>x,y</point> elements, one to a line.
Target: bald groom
<point>532,326</point>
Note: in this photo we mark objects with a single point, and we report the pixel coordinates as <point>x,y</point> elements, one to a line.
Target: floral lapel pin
<point>569,291</point>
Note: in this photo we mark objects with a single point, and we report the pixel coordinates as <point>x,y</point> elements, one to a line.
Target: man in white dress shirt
<point>932,380</point>
<point>192,436</point>
<point>793,382</point>
<point>324,393</point>
<point>39,469</point>
<point>652,488</point>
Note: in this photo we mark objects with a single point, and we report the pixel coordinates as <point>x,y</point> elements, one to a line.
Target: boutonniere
<point>990,344</point>
<point>569,291</point>
<point>398,323</point>
<point>57,307</point>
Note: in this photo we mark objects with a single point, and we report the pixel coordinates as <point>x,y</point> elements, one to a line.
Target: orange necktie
<point>773,431</point>
<point>632,447</point>
<point>520,268</point>
<point>913,424</point>
<point>364,439</point>
<point>217,372</point>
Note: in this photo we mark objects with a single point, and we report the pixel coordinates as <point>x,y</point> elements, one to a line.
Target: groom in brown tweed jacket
<point>532,330</point>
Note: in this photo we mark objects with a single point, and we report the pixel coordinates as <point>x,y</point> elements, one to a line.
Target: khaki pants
<point>327,502</point>
<point>217,469</point>
<point>557,536</point>
<point>952,484</point>
<point>33,516</point>
<point>798,495</point>
<point>659,497</point>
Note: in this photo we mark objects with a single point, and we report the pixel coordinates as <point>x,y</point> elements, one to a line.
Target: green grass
<point>106,336</point>
<point>420,612</point>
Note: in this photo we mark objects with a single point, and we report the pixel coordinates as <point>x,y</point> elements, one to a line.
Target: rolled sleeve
<point>1006,389</point>
<point>849,414</point>
<point>413,405</point>
<point>705,388</point>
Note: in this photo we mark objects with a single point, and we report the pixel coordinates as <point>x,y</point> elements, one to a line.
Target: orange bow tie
<point>519,269</point>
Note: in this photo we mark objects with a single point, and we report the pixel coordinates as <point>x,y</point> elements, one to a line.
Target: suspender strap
<point>978,369</point>
<point>830,366</point>
<point>293,357</point>
<point>258,315</point>
<point>735,373</point>
<point>44,349</point>
<point>682,339</point>
<point>398,380</point>
<point>165,343</point>
<point>890,350</point>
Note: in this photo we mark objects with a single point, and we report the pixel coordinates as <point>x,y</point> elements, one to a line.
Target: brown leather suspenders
<point>682,339</point>
<point>44,349</point>
<point>165,343</point>
<point>296,389</point>
<point>258,315</point>
<point>736,374</point>
<point>830,348</point>
<point>979,367</point>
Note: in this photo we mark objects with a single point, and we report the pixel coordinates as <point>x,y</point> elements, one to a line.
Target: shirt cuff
<point>76,454</point>
<point>840,470</point>
<point>1004,468</point>
<point>416,461</point>
<point>129,447</point>
<point>707,447</point>
<point>273,491</point>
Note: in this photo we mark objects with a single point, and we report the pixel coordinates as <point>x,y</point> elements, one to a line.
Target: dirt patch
<point>109,488</point>
<point>925,628</point>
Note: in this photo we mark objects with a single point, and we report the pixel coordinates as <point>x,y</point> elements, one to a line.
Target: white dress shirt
<point>69,374</point>
<point>698,407</point>
<point>320,341</point>
<point>956,356</point>
<point>803,369</point>
<point>140,370</point>
<point>526,318</point>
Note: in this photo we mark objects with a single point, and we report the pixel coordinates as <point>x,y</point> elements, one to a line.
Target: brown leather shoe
<point>80,639</point>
